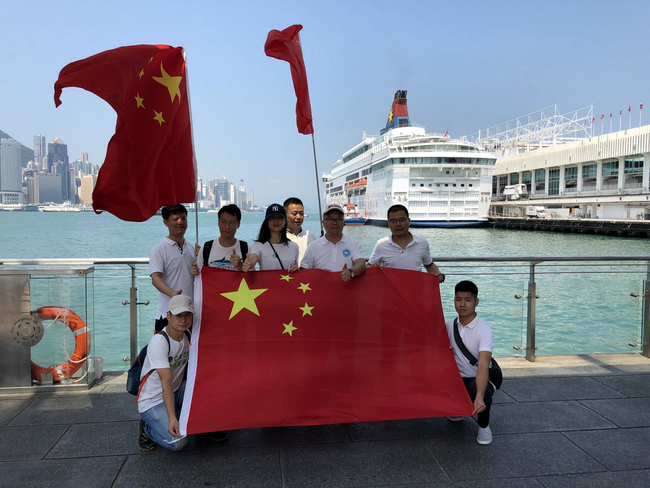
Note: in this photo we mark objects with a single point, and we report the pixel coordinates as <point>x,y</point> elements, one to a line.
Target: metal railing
<point>461,267</point>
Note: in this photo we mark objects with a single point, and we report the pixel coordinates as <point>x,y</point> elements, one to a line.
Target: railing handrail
<point>523,259</point>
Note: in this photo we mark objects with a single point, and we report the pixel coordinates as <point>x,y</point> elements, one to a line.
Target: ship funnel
<point>399,113</point>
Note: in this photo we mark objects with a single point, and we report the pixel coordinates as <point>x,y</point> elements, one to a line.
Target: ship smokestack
<point>399,113</point>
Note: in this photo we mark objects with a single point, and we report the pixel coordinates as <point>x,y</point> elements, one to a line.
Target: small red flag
<point>285,45</point>
<point>620,112</point>
<point>593,119</point>
<point>271,348</point>
<point>641,107</point>
<point>584,123</point>
<point>610,115</point>
<point>150,158</point>
<point>602,116</point>
<point>629,109</point>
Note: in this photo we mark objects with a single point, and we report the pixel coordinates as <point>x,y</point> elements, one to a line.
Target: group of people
<point>282,243</point>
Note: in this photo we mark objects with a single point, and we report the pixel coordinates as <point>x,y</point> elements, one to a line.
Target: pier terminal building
<point>555,161</point>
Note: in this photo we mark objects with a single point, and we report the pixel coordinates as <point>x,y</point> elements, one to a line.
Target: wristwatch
<point>351,274</point>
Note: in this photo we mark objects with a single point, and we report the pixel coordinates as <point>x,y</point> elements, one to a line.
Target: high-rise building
<point>39,151</point>
<point>84,157</point>
<point>47,188</point>
<point>10,172</point>
<point>59,163</point>
<point>88,183</point>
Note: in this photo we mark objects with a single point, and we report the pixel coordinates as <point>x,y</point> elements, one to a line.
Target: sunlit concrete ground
<point>561,421</point>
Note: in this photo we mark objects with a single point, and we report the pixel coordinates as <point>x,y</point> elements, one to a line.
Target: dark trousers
<point>484,416</point>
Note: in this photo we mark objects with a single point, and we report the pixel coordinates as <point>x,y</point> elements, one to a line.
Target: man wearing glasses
<point>335,251</point>
<point>402,249</point>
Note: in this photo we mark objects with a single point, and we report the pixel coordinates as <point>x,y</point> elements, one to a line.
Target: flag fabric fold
<point>271,348</point>
<point>285,45</point>
<point>150,158</point>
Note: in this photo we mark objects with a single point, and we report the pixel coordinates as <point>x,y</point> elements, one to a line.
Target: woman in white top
<point>273,250</point>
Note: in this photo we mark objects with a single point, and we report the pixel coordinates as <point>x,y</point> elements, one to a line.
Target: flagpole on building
<point>196,170</point>
<point>640,111</point>
<point>620,117</point>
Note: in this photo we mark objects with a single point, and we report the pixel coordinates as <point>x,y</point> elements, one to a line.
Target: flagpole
<point>196,170</point>
<point>640,111</point>
<point>620,117</point>
<point>320,209</point>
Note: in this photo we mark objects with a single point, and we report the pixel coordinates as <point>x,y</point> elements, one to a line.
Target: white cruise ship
<point>443,182</point>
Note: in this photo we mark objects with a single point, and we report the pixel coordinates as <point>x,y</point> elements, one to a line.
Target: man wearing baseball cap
<point>161,394</point>
<point>335,251</point>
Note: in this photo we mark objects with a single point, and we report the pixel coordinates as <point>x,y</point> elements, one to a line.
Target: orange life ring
<point>81,343</point>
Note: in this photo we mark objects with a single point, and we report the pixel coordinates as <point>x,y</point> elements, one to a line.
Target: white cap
<point>331,207</point>
<point>179,304</point>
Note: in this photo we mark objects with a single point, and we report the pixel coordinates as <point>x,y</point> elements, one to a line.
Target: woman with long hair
<point>272,249</point>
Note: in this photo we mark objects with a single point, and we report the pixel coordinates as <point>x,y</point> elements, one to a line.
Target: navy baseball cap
<point>275,209</point>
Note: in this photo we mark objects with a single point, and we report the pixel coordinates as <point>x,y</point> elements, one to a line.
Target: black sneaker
<point>218,436</point>
<point>144,443</point>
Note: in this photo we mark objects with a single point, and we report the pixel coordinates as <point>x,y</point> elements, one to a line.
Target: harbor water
<point>581,309</point>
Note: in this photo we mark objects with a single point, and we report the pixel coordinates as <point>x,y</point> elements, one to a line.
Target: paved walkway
<point>562,421</point>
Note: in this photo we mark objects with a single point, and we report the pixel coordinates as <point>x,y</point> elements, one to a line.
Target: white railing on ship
<point>458,267</point>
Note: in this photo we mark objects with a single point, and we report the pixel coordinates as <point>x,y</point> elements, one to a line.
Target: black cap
<point>275,209</point>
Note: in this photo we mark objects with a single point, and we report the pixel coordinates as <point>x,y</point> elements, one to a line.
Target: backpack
<point>207,247</point>
<point>133,382</point>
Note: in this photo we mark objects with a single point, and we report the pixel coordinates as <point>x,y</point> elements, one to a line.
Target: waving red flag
<point>285,45</point>
<point>150,159</point>
<point>271,348</point>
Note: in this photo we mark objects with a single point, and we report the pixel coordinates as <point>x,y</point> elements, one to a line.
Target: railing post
<point>645,317</point>
<point>530,318</point>
<point>133,304</point>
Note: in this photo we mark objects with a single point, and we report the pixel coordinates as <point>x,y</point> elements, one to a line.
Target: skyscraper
<point>39,152</point>
<point>10,172</point>
<point>59,163</point>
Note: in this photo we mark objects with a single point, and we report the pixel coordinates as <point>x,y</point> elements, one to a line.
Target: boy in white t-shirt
<point>161,394</point>
<point>478,338</point>
<point>226,251</point>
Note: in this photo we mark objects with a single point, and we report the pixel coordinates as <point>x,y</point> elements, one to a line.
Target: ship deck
<point>561,421</point>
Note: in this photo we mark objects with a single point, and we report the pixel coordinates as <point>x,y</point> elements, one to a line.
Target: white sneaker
<point>455,419</point>
<point>484,435</point>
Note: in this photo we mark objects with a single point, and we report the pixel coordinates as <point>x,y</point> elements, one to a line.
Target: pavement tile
<point>549,389</point>
<point>500,396</point>
<point>248,468</point>
<point>11,408</point>
<point>621,449</point>
<point>78,409</point>
<point>511,456</point>
<point>32,442</point>
<point>317,434</point>
<point>627,412</point>
<point>359,464</point>
<point>89,473</point>
<point>628,479</point>
<point>428,428</point>
<point>518,418</point>
<point>632,385</point>
<point>496,483</point>
<point>97,439</point>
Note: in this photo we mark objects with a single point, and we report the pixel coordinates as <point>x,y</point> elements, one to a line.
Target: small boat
<point>351,215</point>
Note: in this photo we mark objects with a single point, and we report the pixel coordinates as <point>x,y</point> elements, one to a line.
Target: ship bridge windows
<point>356,153</point>
<point>351,177</point>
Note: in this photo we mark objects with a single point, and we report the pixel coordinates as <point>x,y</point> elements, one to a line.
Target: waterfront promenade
<point>561,421</point>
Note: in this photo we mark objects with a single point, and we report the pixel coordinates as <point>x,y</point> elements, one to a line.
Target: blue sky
<point>466,65</point>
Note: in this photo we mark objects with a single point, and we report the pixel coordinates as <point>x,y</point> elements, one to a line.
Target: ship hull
<point>441,224</point>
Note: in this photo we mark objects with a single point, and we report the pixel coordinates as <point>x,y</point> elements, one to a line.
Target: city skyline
<point>467,66</point>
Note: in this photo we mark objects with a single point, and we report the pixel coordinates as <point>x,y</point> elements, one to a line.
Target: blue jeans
<point>157,423</point>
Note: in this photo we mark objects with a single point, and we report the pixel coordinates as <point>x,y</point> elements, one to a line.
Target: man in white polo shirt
<point>402,249</point>
<point>295,216</point>
<point>170,262</point>
<point>335,251</point>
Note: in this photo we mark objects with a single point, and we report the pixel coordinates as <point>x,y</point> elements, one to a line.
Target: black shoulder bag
<point>495,376</point>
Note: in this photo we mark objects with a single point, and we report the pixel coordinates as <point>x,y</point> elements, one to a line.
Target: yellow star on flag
<point>306,310</point>
<point>139,101</point>
<point>304,287</point>
<point>171,82</point>
<point>158,117</point>
<point>141,74</point>
<point>243,298</point>
<point>390,115</point>
<point>286,278</point>
<point>289,328</point>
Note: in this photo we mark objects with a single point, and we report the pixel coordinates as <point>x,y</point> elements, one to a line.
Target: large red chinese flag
<point>285,45</point>
<point>150,159</point>
<point>276,349</point>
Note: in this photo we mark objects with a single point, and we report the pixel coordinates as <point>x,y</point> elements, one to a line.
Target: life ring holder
<point>81,338</point>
